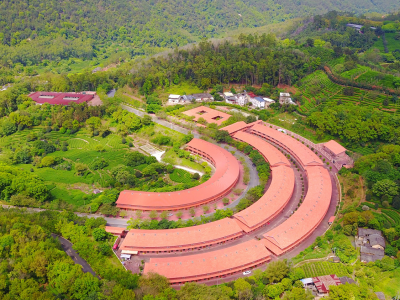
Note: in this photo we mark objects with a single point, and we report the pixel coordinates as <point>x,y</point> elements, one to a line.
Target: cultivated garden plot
<point>324,268</point>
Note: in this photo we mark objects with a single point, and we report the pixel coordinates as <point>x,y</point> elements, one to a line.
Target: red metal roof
<point>181,238</point>
<point>309,215</point>
<point>331,219</point>
<point>335,147</point>
<point>115,230</point>
<point>210,264</point>
<point>235,127</point>
<point>322,283</point>
<point>298,149</point>
<point>225,177</point>
<point>208,114</point>
<point>270,153</point>
<point>60,98</point>
<point>271,203</point>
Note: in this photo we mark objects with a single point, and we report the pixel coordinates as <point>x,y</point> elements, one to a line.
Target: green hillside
<point>69,29</point>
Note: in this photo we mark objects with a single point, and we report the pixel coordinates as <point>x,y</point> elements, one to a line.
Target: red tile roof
<point>335,147</point>
<point>209,114</point>
<point>224,179</point>
<point>323,283</point>
<point>270,153</point>
<point>210,264</point>
<point>60,98</point>
<point>305,156</point>
<point>271,203</point>
<point>309,215</point>
<point>181,238</point>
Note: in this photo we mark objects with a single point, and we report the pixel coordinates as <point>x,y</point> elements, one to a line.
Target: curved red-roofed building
<point>271,203</point>
<point>214,264</point>
<point>225,177</point>
<point>182,239</point>
<point>304,155</point>
<point>309,215</point>
<point>239,126</point>
<point>269,152</point>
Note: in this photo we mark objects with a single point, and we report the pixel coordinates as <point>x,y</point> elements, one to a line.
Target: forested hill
<point>158,23</point>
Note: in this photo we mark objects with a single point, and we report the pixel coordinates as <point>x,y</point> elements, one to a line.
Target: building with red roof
<point>271,203</point>
<point>334,148</point>
<point>307,217</point>
<point>322,283</point>
<point>116,230</point>
<point>269,152</point>
<point>182,239</point>
<point>61,98</point>
<point>214,264</point>
<point>304,155</point>
<point>239,126</point>
<point>225,177</point>
<point>208,114</point>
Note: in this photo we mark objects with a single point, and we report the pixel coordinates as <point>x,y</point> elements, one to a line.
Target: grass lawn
<point>151,132</point>
<point>75,197</point>
<point>172,158</point>
<point>180,176</point>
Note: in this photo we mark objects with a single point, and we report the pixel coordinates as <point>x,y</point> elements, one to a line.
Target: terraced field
<point>322,268</point>
<point>317,86</point>
<point>394,217</point>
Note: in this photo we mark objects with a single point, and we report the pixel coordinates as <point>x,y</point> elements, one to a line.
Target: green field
<point>392,43</point>
<point>172,158</point>
<point>317,86</point>
<point>324,268</point>
<point>180,176</point>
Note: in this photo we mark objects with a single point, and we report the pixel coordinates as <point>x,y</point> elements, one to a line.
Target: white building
<point>258,102</point>
<point>284,98</point>
<point>174,98</point>
<point>242,99</point>
<point>268,101</point>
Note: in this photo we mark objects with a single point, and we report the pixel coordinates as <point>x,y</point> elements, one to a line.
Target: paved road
<point>67,247</point>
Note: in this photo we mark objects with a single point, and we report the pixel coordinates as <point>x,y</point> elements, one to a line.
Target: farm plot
<point>324,268</point>
<point>392,215</point>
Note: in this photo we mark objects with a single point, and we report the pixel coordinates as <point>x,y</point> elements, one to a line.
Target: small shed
<point>331,220</point>
<point>334,148</point>
<point>307,281</point>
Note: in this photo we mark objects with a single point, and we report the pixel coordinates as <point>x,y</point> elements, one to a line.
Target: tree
<point>138,214</point>
<point>93,123</point>
<point>385,187</point>
<point>99,234</point>
<point>298,294</point>
<point>192,212</point>
<point>164,215</point>
<point>276,271</point>
<point>179,214</point>
<point>243,289</point>
<point>225,201</point>
<point>147,120</point>
<point>206,208</point>
<point>222,136</point>
<point>153,214</point>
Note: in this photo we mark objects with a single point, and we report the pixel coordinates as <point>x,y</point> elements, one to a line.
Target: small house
<point>242,99</point>
<point>203,97</point>
<point>231,99</point>
<point>284,98</point>
<point>369,254</point>
<point>268,101</point>
<point>372,238</point>
<point>174,98</point>
<point>185,99</point>
<point>258,102</point>
<point>322,283</point>
<point>331,220</point>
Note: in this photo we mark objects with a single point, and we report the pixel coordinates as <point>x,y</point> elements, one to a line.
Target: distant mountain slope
<point>159,23</point>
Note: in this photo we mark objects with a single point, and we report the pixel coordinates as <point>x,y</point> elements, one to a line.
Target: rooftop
<point>180,238</point>
<point>61,98</point>
<point>272,202</point>
<point>172,96</point>
<point>208,114</point>
<point>364,232</point>
<point>269,152</point>
<point>369,254</point>
<point>335,147</point>
<point>209,264</point>
<point>225,177</point>
<point>323,283</point>
<point>308,215</point>
<point>115,230</point>
<point>306,156</point>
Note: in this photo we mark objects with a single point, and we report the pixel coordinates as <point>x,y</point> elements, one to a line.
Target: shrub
<point>225,201</point>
